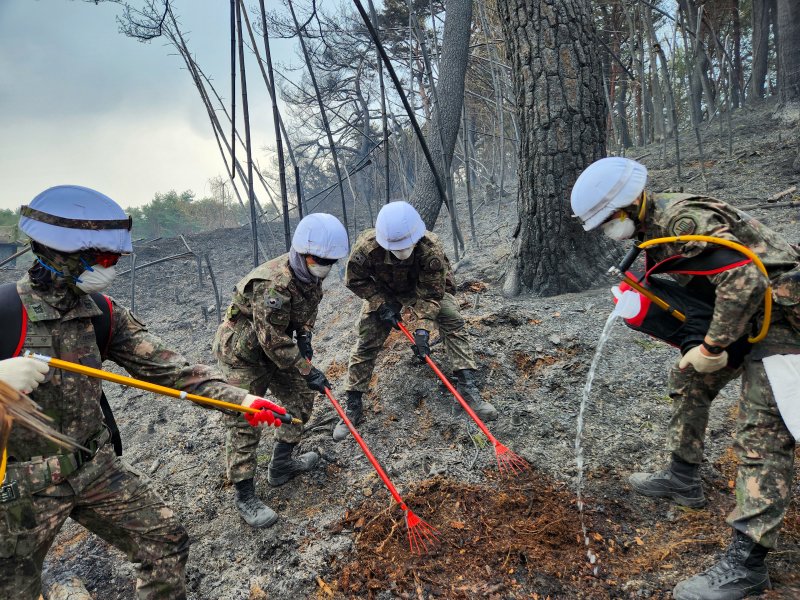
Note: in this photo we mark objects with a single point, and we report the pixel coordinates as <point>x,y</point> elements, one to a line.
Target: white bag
<point>783,371</point>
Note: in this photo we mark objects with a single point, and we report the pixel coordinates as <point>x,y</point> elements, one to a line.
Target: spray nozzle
<point>628,303</point>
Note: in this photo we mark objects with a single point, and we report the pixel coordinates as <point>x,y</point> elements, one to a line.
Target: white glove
<point>23,374</point>
<point>703,363</point>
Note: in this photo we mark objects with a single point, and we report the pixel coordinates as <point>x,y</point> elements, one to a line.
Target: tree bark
<point>738,71</point>
<point>657,97</point>
<point>763,16</point>
<point>447,119</point>
<point>788,20</point>
<point>561,112</point>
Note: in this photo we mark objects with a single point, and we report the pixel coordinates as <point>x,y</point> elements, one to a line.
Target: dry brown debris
<point>506,539</point>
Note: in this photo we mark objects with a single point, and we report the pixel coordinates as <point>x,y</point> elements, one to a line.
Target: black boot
<point>741,572</point>
<point>252,510</point>
<point>354,411</point>
<point>469,391</point>
<point>680,483</point>
<point>283,467</point>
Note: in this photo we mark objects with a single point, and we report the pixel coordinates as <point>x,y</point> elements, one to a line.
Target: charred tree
<point>447,119</point>
<point>561,114</point>
<point>763,18</point>
<point>788,19</point>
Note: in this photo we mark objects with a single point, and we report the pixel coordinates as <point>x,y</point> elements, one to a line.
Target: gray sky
<point>80,103</point>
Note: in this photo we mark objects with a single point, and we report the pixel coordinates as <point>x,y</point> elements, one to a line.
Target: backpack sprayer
<point>621,272</point>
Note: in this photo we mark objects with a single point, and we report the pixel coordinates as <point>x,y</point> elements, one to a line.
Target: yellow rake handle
<point>734,246</point>
<point>144,385</point>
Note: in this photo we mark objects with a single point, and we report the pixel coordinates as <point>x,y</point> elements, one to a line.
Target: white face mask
<point>619,228</point>
<point>320,271</point>
<point>403,254</point>
<point>98,279</point>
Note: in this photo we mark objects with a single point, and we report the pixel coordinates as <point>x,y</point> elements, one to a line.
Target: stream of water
<point>579,434</point>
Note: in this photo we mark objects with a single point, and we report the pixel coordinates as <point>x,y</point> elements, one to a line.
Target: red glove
<point>266,414</point>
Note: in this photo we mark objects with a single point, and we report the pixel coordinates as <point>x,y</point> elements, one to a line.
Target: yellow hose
<point>143,385</point>
<point>5,429</point>
<point>734,246</point>
<point>3,462</point>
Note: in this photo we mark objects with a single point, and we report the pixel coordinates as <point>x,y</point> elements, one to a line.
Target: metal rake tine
<point>419,532</point>
<point>515,465</point>
<point>509,461</point>
<point>424,537</point>
<point>417,544</point>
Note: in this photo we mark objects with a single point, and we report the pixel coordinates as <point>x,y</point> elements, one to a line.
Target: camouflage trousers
<point>372,333</point>
<point>692,394</point>
<point>241,440</point>
<point>764,446</point>
<point>110,500</point>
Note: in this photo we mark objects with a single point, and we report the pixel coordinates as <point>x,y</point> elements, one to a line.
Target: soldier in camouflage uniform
<point>610,194</point>
<point>77,236</point>
<point>400,264</point>
<point>265,343</point>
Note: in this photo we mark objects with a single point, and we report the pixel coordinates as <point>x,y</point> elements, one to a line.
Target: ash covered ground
<point>340,535</point>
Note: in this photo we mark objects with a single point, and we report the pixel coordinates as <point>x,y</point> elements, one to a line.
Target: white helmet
<point>71,218</point>
<point>604,187</point>
<point>398,226</point>
<point>322,235</point>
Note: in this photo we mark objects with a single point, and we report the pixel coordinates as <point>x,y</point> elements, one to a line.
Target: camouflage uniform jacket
<point>420,281</point>
<point>268,306</point>
<point>739,292</point>
<point>72,400</point>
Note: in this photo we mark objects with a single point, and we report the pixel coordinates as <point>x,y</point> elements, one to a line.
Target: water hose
<point>720,242</point>
<point>152,387</point>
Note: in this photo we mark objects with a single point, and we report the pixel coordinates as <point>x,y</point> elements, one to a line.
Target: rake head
<point>420,534</point>
<point>508,462</point>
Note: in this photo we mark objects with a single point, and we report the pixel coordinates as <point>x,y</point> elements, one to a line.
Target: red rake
<point>420,534</point>
<point>508,461</point>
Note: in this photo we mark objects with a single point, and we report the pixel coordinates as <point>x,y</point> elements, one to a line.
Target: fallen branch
<point>771,205</point>
<point>779,195</point>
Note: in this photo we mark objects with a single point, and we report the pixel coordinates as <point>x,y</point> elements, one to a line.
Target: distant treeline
<point>171,214</point>
<point>8,217</point>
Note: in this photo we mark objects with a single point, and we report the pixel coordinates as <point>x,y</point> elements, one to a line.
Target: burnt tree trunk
<point>446,122</point>
<point>738,72</point>
<point>763,17</point>
<point>561,111</point>
<point>788,20</point>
